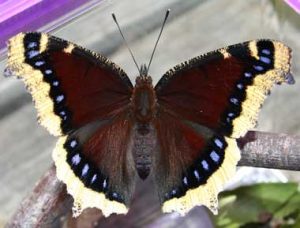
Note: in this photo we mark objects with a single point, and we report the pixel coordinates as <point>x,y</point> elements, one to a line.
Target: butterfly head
<point>143,79</point>
<point>143,70</point>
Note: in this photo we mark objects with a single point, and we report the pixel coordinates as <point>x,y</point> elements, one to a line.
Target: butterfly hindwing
<point>225,89</point>
<point>204,105</point>
<point>193,165</point>
<point>96,167</point>
<point>70,85</point>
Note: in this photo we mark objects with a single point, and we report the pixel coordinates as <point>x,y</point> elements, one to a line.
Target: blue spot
<point>214,156</point>
<point>60,98</point>
<point>73,143</point>
<point>174,192</point>
<point>234,100</point>
<point>240,86</point>
<point>265,59</point>
<point>248,74</point>
<point>205,165</point>
<point>32,45</point>
<point>258,68</point>
<point>196,174</point>
<point>185,181</point>
<point>231,114</point>
<point>63,115</point>
<point>85,170</point>
<point>76,159</point>
<point>39,63</point>
<point>219,143</point>
<point>94,178</point>
<point>104,184</point>
<point>115,195</point>
<point>48,71</point>
<point>55,83</point>
<point>32,53</point>
<point>266,51</point>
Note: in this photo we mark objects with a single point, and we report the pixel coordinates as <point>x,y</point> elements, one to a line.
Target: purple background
<point>23,15</point>
<point>295,4</point>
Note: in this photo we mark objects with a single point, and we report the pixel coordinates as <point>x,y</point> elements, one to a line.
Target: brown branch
<point>45,205</point>
<point>270,150</point>
<point>49,202</point>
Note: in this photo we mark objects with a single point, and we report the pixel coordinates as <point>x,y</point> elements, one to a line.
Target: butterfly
<point>181,132</point>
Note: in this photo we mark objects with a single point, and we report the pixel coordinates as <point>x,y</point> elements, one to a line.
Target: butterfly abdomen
<point>143,149</point>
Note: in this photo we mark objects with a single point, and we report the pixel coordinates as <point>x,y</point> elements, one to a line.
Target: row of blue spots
<point>48,73</point>
<point>76,159</point>
<point>259,66</point>
<point>214,156</point>
<point>198,178</point>
<point>263,58</point>
<point>86,170</point>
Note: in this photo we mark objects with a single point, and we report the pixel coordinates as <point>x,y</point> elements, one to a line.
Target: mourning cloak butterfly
<point>105,125</point>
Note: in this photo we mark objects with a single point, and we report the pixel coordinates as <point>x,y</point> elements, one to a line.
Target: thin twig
<point>49,203</point>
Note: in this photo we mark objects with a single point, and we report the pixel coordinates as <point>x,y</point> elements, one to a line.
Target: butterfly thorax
<point>143,102</point>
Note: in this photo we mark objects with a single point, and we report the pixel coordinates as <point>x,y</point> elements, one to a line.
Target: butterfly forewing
<point>224,89</point>
<point>70,86</point>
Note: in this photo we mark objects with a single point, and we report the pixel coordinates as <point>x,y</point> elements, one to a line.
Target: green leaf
<point>277,203</point>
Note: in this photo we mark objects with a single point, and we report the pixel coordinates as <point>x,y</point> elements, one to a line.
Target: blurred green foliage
<point>260,205</point>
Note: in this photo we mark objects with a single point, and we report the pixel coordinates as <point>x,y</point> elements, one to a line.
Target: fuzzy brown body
<point>143,111</point>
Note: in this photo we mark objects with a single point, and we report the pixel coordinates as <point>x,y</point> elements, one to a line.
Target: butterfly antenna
<point>162,28</point>
<point>115,19</point>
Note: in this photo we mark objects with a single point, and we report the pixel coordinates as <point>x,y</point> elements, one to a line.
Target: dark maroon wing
<point>204,104</point>
<point>193,165</point>
<point>70,85</point>
<point>224,89</point>
<point>96,166</point>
